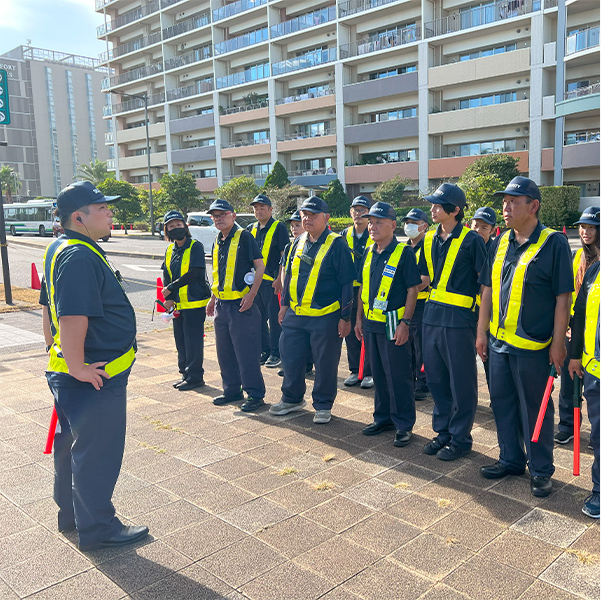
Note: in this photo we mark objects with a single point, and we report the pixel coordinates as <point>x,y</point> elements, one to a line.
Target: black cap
<point>486,214</point>
<point>521,186</point>
<point>78,194</point>
<point>590,216</point>
<point>416,214</point>
<point>261,199</point>
<point>448,193</point>
<point>382,210</point>
<point>172,215</point>
<point>220,204</point>
<point>361,201</point>
<point>315,205</point>
<point>295,216</point>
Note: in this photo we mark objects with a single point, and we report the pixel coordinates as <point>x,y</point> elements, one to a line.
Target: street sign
<point>4,106</point>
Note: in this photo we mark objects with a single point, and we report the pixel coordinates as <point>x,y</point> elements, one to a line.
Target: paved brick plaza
<point>270,508</point>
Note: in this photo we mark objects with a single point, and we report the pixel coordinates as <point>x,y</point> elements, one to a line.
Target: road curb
<point>108,252</point>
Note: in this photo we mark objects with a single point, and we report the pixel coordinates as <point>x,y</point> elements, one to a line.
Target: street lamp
<point>8,294</point>
<point>144,97</point>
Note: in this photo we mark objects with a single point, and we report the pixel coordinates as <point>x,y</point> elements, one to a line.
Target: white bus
<point>33,216</point>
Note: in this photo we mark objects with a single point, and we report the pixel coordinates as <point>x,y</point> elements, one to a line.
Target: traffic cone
<point>564,230</point>
<point>160,295</point>
<point>498,232</point>
<point>131,226</point>
<point>122,228</point>
<point>113,227</point>
<point>35,280</point>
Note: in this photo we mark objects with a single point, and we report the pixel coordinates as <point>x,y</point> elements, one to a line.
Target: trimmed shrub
<point>339,223</point>
<point>559,204</point>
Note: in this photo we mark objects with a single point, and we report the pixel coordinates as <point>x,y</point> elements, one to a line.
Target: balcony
<point>253,73</point>
<point>189,58</point>
<point>244,143</point>
<point>132,75</point>
<point>405,83</point>
<point>137,103</point>
<point>579,101</point>
<point>157,159</point>
<point>242,41</point>
<point>194,89</point>
<point>480,15</point>
<point>242,114</point>
<point>441,168</point>
<point>301,97</point>
<point>311,59</point>
<point>131,16</point>
<point>396,37</point>
<point>582,155</point>
<point>194,123</point>
<point>312,19</point>
<point>292,142</point>
<point>138,134</point>
<point>110,164</point>
<point>192,155</point>
<point>246,148</point>
<point>313,177</point>
<point>381,172</point>
<point>584,39</point>
<point>229,10</point>
<point>353,7</point>
<point>133,46</point>
<point>385,130</point>
<point>109,137</point>
<point>188,25</point>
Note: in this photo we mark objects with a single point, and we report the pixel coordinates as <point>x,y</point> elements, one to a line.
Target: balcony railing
<point>304,136</point>
<point>131,16</point>
<point>255,176</point>
<point>311,59</point>
<point>584,91</point>
<point>109,138</point>
<point>242,143</point>
<point>308,172</point>
<point>356,6</point>
<point>480,15</point>
<point>308,96</point>
<point>101,3</point>
<point>234,8</point>
<point>135,103</point>
<point>188,25</point>
<point>132,75</point>
<point>304,21</point>
<point>252,74</point>
<point>242,41</point>
<point>131,46</point>
<point>396,37</point>
<point>107,110</point>
<point>244,108</point>
<point>111,164</point>
<point>582,40</point>
<point>189,58</point>
<point>198,87</point>
<point>582,137</point>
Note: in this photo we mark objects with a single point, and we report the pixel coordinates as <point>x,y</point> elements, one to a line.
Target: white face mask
<point>411,230</point>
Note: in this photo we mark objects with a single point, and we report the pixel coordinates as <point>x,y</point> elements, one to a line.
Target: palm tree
<point>10,181</point>
<point>95,172</point>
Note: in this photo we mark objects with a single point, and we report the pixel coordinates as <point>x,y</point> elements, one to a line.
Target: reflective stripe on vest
<point>266,244</point>
<point>228,292</point>
<point>424,294</point>
<point>390,268</point>
<point>56,362</point>
<point>508,327</point>
<point>183,303</point>
<point>575,267</point>
<point>591,330</point>
<point>350,240</point>
<point>439,293</point>
<point>304,307</point>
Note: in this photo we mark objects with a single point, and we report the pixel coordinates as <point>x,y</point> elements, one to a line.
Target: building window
<point>53,132</point>
<point>91,121</point>
<point>393,72</point>
<point>494,147</point>
<point>393,115</point>
<point>487,100</point>
<point>72,123</point>
<point>488,52</point>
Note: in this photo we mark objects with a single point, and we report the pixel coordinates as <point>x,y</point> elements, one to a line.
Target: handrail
<point>585,91</point>
<point>190,24</point>
<point>308,96</point>
<point>229,10</point>
<point>355,6</point>
<point>132,46</point>
<point>232,110</point>
<point>242,143</point>
<point>395,37</point>
<point>198,87</point>
<point>132,75</point>
<point>131,16</point>
<point>311,59</point>
<point>312,19</point>
<point>189,58</point>
<point>304,136</point>
<point>135,103</point>
<point>583,39</point>
<point>242,41</point>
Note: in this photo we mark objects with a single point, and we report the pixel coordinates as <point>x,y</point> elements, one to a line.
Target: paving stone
<point>27,544</point>
<point>172,517</point>
<point>299,496</point>
<point>13,520</point>
<point>201,457</point>
<point>234,467</point>
<point>375,494</point>
<point>443,592</point>
<point>191,483</point>
<point>342,476</point>
<point>419,511</point>
<point>496,508</point>
<point>339,594</point>
<point>89,584</point>
<point>338,514</point>
<point>255,515</point>
<point>243,442</point>
<point>6,593</point>
<point>477,534</point>
<point>588,541</point>
<point>574,576</point>
<point>409,476</point>
<point>273,453</point>
<point>447,489</point>
<point>569,502</point>
<point>518,488</point>
<point>142,501</point>
<point>264,481</point>
<point>540,590</point>
<point>550,527</point>
<point>220,498</point>
<point>371,463</point>
<point>163,467</point>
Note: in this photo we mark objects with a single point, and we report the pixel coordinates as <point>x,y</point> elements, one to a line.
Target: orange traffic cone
<point>564,230</point>
<point>35,280</point>
<point>160,295</point>
<point>122,228</point>
<point>131,226</point>
<point>498,232</point>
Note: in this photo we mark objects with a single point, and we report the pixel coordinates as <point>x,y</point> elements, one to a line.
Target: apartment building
<point>56,118</point>
<point>360,90</point>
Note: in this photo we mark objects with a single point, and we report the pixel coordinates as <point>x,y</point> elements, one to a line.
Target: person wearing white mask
<point>415,225</point>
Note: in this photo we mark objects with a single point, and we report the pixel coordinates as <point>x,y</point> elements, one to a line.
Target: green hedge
<point>339,223</point>
<point>559,205</point>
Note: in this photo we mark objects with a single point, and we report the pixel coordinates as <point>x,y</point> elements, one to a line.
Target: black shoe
<point>129,534</point>
<point>190,384</point>
<point>180,382</point>
<point>401,438</point>
<point>541,487</point>
<point>434,446</point>
<point>452,452</point>
<point>563,437</point>
<point>421,394</point>
<point>252,404</point>
<point>264,357</point>
<point>351,380</point>
<point>499,470</point>
<point>281,372</point>
<point>223,399</point>
<point>375,428</point>
<point>273,361</point>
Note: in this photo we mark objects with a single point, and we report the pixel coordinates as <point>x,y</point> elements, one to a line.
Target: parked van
<point>203,229</point>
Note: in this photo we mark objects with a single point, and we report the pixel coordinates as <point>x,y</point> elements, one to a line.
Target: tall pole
<point>8,293</point>
<point>150,207</point>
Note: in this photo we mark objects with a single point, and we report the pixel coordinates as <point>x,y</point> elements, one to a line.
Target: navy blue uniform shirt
<point>278,242</point>
<point>419,246</point>
<point>359,242</point>
<point>405,276</point>
<point>579,318</point>
<point>463,279</point>
<point>548,276</point>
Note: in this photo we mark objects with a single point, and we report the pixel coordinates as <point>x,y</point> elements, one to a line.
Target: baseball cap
<point>295,216</point>
<point>487,214</point>
<point>415,214</point>
<point>261,199</point>
<point>590,216</point>
<point>172,215</point>
<point>315,205</point>
<point>448,193</point>
<point>382,210</point>
<point>361,201</point>
<point>521,186</point>
<point>81,193</point>
<point>220,204</point>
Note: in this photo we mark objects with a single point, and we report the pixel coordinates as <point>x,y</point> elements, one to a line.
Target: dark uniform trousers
<point>591,393</point>
<point>452,377</point>
<point>238,341</point>
<point>88,451</point>
<point>300,336</point>
<point>566,392</point>
<point>415,341</point>
<point>353,345</point>
<point>188,330</point>
<point>517,385</point>
<point>269,307</point>
<point>393,381</point>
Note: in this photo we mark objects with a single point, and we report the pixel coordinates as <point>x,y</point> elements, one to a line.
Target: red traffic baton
<point>544,403</point>
<point>577,403</point>
<point>362,360</point>
<point>51,432</point>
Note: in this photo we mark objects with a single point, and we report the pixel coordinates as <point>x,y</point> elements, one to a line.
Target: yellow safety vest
<point>305,306</point>
<point>266,244</point>
<point>590,363</point>
<point>424,294</point>
<point>508,327</point>
<point>350,240</point>
<point>228,292</point>
<point>184,303</point>
<point>439,293</point>
<point>377,314</point>
<point>575,267</point>
<point>56,362</point>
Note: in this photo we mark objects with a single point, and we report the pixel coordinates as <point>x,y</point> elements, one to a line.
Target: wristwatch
<point>347,319</point>
<point>406,321</point>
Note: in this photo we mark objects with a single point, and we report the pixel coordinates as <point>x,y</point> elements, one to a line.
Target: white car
<point>203,229</point>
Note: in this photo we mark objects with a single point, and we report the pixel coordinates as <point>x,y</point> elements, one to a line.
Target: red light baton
<point>543,406</point>
<point>577,403</point>
<point>362,360</point>
<point>51,432</point>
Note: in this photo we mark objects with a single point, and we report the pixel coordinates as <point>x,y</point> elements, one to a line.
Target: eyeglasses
<point>225,214</point>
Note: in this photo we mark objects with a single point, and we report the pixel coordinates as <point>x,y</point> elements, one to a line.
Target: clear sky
<point>64,25</point>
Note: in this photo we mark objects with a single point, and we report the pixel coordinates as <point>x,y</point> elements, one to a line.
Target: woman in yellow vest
<point>582,259</point>
<point>186,288</point>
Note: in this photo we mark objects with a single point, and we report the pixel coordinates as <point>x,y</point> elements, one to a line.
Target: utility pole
<point>8,293</point>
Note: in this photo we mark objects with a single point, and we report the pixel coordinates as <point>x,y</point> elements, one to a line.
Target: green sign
<point>4,108</point>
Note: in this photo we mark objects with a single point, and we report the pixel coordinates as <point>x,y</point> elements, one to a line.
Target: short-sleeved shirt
<point>337,270</point>
<point>463,279</point>
<point>198,288</point>
<point>278,242</point>
<point>579,319</point>
<point>248,251</point>
<point>84,285</point>
<point>360,242</point>
<point>405,277</point>
<point>419,247</point>
<point>548,275</point>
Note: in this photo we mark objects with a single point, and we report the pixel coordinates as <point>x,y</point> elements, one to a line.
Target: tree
<point>479,190</point>
<point>337,198</point>
<point>284,199</point>
<point>180,191</point>
<point>278,178</point>
<point>239,192</point>
<point>128,209</point>
<point>95,172</point>
<point>391,190</point>
<point>10,181</point>
<point>503,166</point>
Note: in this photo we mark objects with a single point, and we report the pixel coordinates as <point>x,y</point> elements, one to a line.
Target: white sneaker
<point>283,408</point>
<point>322,416</point>
<point>367,382</point>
